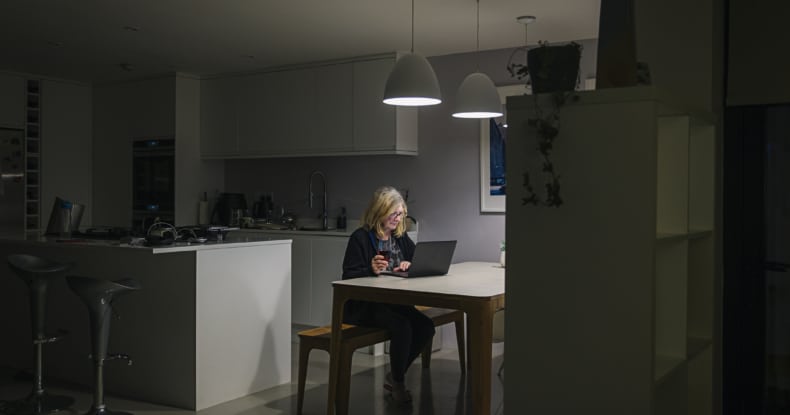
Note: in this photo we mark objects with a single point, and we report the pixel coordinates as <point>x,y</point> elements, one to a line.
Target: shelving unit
<point>684,266</point>
<point>33,157</point>
<point>615,287</point>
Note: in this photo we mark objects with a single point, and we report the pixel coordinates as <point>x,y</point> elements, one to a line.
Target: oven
<point>153,181</point>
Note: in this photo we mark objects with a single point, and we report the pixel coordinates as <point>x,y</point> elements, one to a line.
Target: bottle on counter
<point>65,212</point>
<point>341,220</point>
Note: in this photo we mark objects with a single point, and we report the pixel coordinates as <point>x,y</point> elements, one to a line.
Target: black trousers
<point>409,329</point>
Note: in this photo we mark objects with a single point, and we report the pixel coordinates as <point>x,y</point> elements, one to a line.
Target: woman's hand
<point>378,264</point>
<point>404,266</point>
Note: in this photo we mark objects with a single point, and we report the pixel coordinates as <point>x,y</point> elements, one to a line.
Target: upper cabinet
<point>378,127</point>
<point>12,101</point>
<point>321,110</point>
<point>305,111</point>
<point>218,121</point>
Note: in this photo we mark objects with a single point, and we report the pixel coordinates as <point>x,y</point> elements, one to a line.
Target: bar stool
<point>37,272</point>
<point>98,296</point>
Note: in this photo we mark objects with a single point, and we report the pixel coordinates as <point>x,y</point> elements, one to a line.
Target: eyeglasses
<point>395,215</point>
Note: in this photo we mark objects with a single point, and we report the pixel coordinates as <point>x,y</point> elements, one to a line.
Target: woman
<point>380,244</point>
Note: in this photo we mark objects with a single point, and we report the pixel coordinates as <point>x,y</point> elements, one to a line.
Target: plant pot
<point>554,68</point>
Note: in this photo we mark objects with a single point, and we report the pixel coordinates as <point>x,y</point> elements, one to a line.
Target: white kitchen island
<point>212,321</point>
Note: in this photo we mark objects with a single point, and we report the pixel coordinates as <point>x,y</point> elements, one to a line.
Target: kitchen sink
<point>315,228</point>
<point>271,226</point>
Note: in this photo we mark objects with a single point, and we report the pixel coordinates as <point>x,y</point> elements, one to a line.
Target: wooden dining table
<point>476,288</point>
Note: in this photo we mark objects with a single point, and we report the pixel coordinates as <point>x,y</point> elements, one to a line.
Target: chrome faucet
<point>324,215</point>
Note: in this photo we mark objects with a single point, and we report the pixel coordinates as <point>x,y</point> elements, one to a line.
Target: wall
<point>67,156</point>
<point>443,181</point>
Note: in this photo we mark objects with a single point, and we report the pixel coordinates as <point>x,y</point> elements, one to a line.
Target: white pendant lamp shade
<point>477,97</point>
<point>412,83</point>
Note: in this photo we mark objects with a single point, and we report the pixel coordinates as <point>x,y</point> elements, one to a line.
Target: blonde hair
<point>385,201</point>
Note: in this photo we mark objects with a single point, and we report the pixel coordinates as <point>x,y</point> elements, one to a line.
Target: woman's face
<point>391,222</point>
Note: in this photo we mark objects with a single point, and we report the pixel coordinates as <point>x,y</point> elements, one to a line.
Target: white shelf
<point>692,234</point>
<point>670,236</point>
<point>665,366</point>
<point>652,276</point>
<point>696,345</point>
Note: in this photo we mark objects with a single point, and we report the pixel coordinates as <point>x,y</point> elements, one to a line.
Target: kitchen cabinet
<point>319,110</point>
<point>327,266</point>
<point>12,101</point>
<point>304,111</point>
<point>167,107</point>
<point>150,106</point>
<point>264,99</point>
<point>378,127</point>
<point>55,137</point>
<point>123,112</point>
<point>218,121</point>
<point>65,145</point>
<point>332,105</point>
<point>620,279</point>
<point>301,281</point>
<point>316,261</point>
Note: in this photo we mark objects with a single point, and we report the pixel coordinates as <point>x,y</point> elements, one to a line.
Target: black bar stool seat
<point>98,295</point>
<point>37,272</point>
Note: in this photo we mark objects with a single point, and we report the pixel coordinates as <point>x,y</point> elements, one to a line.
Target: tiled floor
<point>439,390</point>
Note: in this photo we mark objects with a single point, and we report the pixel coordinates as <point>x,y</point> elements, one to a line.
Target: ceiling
<point>100,40</point>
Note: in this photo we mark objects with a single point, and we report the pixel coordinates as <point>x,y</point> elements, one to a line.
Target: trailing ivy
<point>547,128</point>
<point>546,121</point>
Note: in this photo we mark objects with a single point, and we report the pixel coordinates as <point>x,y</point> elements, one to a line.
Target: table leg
<point>480,329</point>
<point>338,300</point>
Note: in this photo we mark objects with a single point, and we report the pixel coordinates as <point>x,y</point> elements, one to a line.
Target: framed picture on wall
<point>493,140</point>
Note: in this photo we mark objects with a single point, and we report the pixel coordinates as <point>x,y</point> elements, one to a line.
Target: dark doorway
<point>756,309</point>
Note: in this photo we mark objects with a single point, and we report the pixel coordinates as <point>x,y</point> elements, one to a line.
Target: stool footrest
<point>119,356</point>
<point>51,338</point>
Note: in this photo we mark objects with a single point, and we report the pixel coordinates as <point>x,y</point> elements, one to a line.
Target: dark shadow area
<point>440,390</point>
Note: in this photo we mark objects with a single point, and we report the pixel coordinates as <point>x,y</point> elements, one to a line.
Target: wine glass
<point>383,249</point>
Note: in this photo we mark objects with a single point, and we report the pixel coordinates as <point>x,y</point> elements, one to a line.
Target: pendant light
<point>477,96</point>
<point>412,82</point>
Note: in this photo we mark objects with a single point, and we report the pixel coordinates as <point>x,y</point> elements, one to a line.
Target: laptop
<point>431,258</point>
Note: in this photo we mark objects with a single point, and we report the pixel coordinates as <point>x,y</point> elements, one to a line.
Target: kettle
<point>229,209</point>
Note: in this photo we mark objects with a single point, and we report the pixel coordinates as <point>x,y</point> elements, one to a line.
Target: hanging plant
<point>555,70</point>
<point>547,127</point>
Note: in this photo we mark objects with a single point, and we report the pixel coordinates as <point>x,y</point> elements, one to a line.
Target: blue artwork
<point>497,158</point>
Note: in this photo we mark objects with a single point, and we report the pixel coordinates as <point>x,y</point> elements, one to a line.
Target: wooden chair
<point>499,334</point>
<point>355,337</point>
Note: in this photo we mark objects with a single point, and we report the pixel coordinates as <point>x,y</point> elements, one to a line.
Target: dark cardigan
<point>356,263</point>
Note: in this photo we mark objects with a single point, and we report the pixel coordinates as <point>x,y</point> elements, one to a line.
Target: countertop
<point>288,232</point>
<point>237,242</point>
<point>352,226</point>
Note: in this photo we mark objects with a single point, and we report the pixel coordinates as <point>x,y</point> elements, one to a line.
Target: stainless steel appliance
<point>12,186</point>
<point>65,218</point>
<point>229,209</point>
<point>153,181</point>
